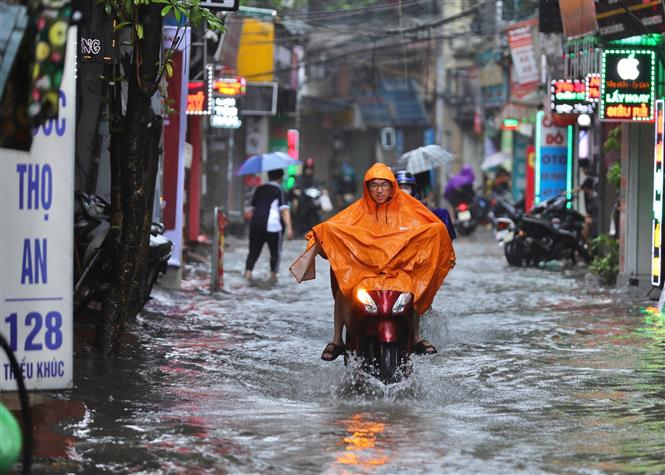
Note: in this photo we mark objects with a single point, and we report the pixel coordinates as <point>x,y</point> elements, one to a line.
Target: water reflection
<point>361,450</point>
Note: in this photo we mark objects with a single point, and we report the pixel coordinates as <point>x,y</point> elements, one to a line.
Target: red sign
<point>197,98</point>
<point>292,138</point>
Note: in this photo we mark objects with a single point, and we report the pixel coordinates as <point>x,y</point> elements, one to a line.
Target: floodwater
<point>537,372</point>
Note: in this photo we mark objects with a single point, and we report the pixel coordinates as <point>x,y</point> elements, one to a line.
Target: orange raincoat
<point>399,245</point>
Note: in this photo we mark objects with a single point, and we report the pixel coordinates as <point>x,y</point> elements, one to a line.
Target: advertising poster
<point>36,246</point>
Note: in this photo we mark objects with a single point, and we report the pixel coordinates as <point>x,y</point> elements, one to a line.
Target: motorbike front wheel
<point>515,252</point>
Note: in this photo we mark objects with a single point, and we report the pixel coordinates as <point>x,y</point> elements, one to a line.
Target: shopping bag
<point>304,267</point>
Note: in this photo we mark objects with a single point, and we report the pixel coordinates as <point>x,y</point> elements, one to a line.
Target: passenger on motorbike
<point>305,208</point>
<point>385,240</point>
<point>407,182</point>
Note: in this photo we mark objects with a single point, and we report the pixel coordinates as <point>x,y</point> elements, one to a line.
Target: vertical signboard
<point>520,145</point>
<point>521,51</point>
<point>628,85</point>
<point>36,242</point>
<point>551,159</point>
<point>175,127</point>
<point>657,223</point>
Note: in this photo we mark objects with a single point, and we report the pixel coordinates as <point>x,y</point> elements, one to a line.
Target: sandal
<point>424,347</point>
<point>332,351</point>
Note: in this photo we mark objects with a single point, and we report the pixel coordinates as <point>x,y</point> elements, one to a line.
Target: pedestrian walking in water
<point>270,216</point>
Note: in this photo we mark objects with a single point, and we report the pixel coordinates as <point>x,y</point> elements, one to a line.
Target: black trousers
<point>257,238</point>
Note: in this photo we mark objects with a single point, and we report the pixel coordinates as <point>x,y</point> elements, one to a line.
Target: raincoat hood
<point>399,245</point>
<point>379,171</point>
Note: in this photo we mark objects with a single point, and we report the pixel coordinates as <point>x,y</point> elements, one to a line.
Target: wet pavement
<point>537,372</point>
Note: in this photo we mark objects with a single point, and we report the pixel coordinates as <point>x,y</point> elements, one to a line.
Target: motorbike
<point>308,209</point>
<point>92,252</point>
<point>551,231</point>
<point>465,222</point>
<point>503,215</point>
<point>381,333</point>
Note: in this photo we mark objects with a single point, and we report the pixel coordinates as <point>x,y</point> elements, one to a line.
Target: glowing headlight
<point>365,299</point>
<point>401,302</point>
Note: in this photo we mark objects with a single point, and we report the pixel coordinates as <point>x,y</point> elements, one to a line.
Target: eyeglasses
<point>375,185</point>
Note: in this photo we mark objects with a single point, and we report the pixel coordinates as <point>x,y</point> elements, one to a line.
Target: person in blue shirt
<point>407,182</point>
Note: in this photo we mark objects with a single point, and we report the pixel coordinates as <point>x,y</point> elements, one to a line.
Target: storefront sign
<point>231,86</point>
<point>568,96</point>
<point>624,18</point>
<point>225,113</point>
<point>592,87</point>
<point>657,223</point>
<point>627,86</point>
<point>197,98</point>
<point>551,170</point>
<point>199,95</point>
<point>510,123</point>
<point>36,238</point>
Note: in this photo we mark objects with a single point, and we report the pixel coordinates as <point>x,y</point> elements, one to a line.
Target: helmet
<point>405,178</point>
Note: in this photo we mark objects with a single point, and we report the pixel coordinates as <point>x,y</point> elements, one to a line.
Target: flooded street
<point>537,372</point>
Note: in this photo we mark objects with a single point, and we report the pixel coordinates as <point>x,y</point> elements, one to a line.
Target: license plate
<point>464,215</point>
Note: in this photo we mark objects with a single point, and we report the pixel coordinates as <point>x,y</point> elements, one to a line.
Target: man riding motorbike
<point>385,240</point>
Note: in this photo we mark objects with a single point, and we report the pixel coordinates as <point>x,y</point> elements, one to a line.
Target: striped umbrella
<point>423,159</point>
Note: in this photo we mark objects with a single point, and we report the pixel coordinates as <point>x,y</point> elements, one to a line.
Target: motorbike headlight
<point>401,302</point>
<point>364,298</point>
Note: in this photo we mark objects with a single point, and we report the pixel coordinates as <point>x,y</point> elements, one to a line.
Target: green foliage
<point>605,263</point>
<point>613,141</point>
<point>614,175</point>
<point>188,13</point>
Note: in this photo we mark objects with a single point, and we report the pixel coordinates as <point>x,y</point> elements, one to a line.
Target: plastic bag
<point>326,204</point>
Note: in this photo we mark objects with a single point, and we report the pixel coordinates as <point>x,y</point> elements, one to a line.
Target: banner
<point>36,245</point>
<point>521,52</point>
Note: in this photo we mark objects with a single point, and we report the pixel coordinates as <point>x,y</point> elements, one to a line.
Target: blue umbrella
<point>266,162</point>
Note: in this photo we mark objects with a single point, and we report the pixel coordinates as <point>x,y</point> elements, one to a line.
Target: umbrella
<point>494,160</point>
<point>423,159</point>
<point>266,162</point>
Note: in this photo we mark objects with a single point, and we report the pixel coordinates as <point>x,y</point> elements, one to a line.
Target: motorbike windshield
<point>399,245</point>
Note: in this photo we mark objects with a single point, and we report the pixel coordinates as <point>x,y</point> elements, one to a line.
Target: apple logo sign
<point>627,68</point>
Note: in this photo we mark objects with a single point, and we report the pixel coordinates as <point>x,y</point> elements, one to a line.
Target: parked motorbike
<point>550,232</point>
<point>92,253</point>
<point>381,332</point>
<point>503,215</point>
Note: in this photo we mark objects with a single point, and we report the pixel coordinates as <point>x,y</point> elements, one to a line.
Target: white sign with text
<point>36,245</point>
